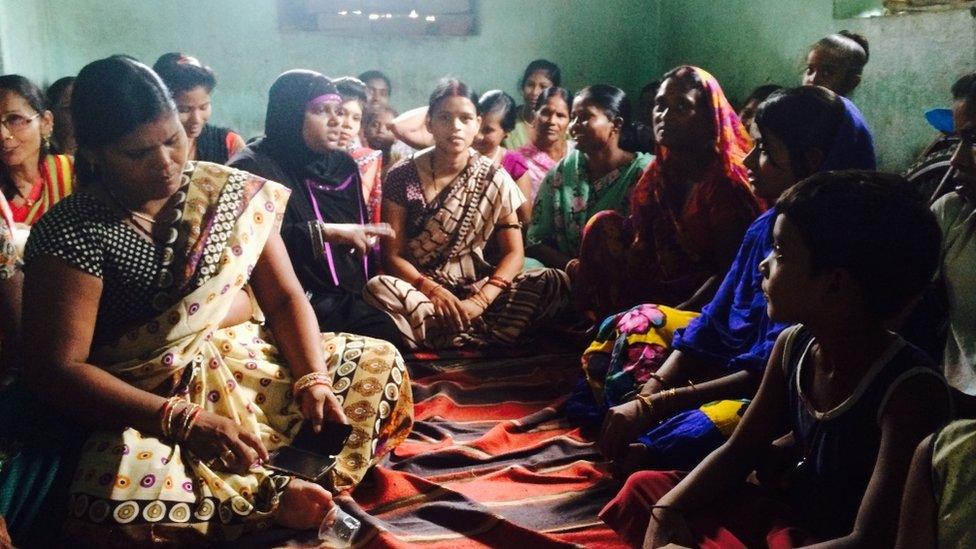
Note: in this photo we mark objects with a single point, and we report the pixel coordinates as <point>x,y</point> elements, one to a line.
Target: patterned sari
<point>57,176</point>
<point>567,199</point>
<point>9,257</point>
<point>137,487</point>
<point>445,241</point>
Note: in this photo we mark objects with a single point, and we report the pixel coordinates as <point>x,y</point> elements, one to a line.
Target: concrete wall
<point>22,34</point>
<point>242,43</point>
<point>745,43</point>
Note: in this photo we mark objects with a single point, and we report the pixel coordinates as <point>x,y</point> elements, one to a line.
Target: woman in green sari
<point>597,176</point>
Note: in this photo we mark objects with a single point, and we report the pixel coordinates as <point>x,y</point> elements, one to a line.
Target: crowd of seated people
<point>177,303</point>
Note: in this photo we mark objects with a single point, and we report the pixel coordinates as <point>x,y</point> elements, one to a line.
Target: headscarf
<point>731,140</point>
<point>325,186</point>
<point>728,176</point>
<point>290,96</point>
<point>853,147</point>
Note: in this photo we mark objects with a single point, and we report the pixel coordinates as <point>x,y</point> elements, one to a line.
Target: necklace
<point>132,213</point>
<point>28,201</point>
<point>26,197</point>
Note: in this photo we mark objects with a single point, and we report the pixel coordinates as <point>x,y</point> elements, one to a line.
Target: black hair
<point>24,87</point>
<point>964,89</point>
<point>874,226</point>
<point>615,104</point>
<point>182,73</point>
<point>803,118</point>
<point>374,74</point>
<point>351,88</point>
<point>112,97</point>
<point>543,65</point>
<point>761,93</point>
<point>653,86</point>
<point>848,46</point>
<point>449,87</point>
<point>554,91</point>
<point>56,90</point>
<point>497,102</point>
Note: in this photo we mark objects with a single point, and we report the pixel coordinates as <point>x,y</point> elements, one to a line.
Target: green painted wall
<point>744,43</point>
<point>914,58</point>
<point>241,41</point>
<point>21,44</point>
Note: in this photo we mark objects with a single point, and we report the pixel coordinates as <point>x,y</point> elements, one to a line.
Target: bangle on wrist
<point>657,377</point>
<point>647,402</point>
<point>310,380</point>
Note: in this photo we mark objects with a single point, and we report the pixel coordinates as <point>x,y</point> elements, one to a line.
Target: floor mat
<point>491,462</point>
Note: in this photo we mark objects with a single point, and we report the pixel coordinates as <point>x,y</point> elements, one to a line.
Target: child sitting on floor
<point>851,250</point>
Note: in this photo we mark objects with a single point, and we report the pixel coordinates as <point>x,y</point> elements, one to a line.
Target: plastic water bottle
<point>338,528</point>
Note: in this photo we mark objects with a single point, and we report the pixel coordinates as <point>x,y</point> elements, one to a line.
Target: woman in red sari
<point>688,211</point>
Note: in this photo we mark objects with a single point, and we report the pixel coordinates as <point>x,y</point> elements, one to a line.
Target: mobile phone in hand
<point>311,455</point>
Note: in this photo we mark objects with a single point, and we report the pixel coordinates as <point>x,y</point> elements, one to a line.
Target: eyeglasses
<point>17,122</point>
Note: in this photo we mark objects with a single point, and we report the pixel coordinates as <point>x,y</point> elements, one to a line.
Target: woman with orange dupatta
<point>145,288</point>
<point>688,212</point>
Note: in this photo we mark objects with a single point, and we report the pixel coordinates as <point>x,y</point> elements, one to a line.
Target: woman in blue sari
<point>680,408</point>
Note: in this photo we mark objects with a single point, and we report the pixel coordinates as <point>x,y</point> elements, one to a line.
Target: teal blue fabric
<point>38,453</point>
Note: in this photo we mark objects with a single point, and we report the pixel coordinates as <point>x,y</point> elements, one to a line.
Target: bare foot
<point>303,505</point>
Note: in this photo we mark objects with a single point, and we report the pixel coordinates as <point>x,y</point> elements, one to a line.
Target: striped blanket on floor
<point>491,462</point>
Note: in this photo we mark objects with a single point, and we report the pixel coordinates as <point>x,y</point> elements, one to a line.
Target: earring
<point>46,143</point>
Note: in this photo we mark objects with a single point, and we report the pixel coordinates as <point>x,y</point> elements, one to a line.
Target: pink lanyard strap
<point>326,247</point>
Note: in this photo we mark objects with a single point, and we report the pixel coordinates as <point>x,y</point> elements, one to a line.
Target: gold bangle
<point>657,377</point>
<point>310,380</point>
<point>648,403</point>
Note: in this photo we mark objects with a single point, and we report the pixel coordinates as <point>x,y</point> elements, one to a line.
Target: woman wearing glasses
<point>31,179</point>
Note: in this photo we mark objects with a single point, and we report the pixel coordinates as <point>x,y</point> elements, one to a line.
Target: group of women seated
<point>176,302</point>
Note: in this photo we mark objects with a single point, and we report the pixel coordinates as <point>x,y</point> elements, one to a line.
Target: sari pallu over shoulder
<point>445,241</point>
<point>132,487</point>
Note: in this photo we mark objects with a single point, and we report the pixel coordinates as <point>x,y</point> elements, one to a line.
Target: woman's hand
<point>622,425</point>
<point>319,405</point>
<point>360,237</point>
<point>667,528</point>
<point>471,308</point>
<point>449,310</point>
<point>220,440</point>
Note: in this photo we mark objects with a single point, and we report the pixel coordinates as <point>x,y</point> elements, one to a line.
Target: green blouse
<point>566,200</point>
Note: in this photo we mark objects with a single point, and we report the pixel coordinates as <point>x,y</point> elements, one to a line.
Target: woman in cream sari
<point>186,393</point>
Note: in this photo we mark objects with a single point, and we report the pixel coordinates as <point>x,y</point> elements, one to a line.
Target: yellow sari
<point>130,486</point>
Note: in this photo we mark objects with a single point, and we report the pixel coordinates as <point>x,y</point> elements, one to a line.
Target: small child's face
<point>826,70</point>
<point>379,132</point>
<point>787,282</point>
